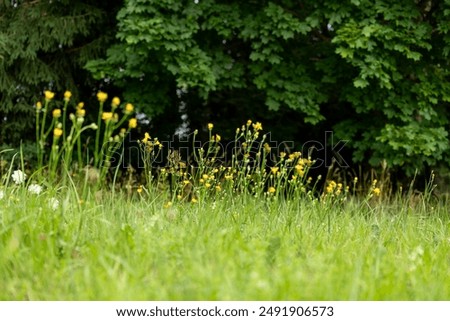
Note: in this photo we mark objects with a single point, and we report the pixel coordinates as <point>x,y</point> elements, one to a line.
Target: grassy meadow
<point>257,227</point>
<point>113,247</point>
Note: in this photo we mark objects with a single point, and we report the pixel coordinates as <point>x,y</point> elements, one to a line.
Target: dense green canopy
<point>374,72</point>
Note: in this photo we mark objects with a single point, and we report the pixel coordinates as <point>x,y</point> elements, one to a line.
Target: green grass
<point>112,247</point>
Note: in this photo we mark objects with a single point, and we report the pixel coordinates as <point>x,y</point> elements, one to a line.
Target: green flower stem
<point>97,136</point>
<point>64,119</point>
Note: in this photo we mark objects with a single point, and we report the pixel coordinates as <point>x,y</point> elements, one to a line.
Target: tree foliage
<point>44,45</point>
<point>375,71</point>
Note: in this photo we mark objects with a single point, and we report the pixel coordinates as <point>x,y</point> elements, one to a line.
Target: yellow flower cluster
<point>149,145</point>
<point>333,188</point>
<point>80,111</point>
<point>376,191</point>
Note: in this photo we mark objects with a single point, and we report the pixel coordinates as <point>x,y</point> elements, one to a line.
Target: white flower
<point>19,177</point>
<point>2,194</point>
<point>35,189</point>
<point>53,203</point>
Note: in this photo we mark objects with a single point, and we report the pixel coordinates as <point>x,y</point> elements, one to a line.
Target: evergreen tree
<point>44,45</point>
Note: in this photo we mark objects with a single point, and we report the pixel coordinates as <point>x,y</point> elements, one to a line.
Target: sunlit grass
<point>254,227</point>
<point>232,248</point>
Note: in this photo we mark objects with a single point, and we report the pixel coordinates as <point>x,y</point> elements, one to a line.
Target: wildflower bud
<point>49,95</point>
<point>93,126</point>
<point>81,112</point>
<point>116,138</point>
<point>56,113</point>
<point>72,117</point>
<point>101,96</point>
<point>67,95</point>
<point>210,126</point>
<point>132,123</point>
<point>115,102</point>
<point>80,120</point>
<point>129,108</point>
<point>80,105</point>
<point>59,125</point>
<point>196,132</point>
<point>38,105</point>
<point>57,132</point>
<point>69,139</point>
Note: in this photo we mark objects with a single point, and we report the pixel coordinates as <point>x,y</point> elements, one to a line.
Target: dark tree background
<point>376,73</point>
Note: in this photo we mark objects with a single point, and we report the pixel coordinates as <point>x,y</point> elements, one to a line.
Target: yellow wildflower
<point>129,108</point>
<point>57,132</point>
<point>271,190</point>
<point>194,200</point>
<point>168,204</point>
<point>80,105</point>
<point>38,105</point>
<point>146,138</point>
<point>249,122</point>
<point>274,170</point>
<point>257,126</point>
<point>217,138</point>
<point>205,176</point>
<point>101,96</point>
<point>266,148</point>
<point>299,170</point>
<point>81,112</point>
<point>56,113</point>
<point>115,102</point>
<point>106,116</point>
<point>218,188</point>
<point>210,126</point>
<point>67,95</point>
<point>207,185</point>
<point>132,123</point>
<point>376,191</point>
<point>49,95</point>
